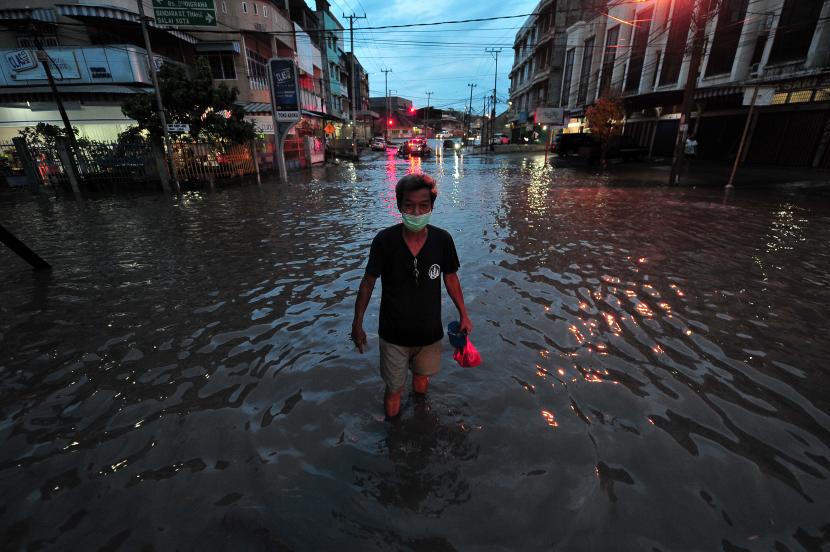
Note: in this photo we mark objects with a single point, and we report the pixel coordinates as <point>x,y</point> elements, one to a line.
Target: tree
<point>605,119</point>
<point>191,98</point>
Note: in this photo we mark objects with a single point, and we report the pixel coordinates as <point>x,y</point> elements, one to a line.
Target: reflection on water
<point>654,372</point>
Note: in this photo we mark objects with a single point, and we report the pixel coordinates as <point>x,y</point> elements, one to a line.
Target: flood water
<point>655,370</point>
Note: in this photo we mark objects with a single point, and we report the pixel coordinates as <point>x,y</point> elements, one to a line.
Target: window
<point>45,41</point>
<point>257,72</point>
<point>675,44</point>
<point>255,9</point>
<point>795,30</point>
<point>638,51</point>
<point>727,35</point>
<point>566,80</point>
<point>585,71</point>
<point>608,61</point>
<point>224,6</point>
<point>264,11</point>
<point>222,66</point>
<point>244,7</point>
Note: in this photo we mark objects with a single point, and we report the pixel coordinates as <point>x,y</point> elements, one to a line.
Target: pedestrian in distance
<point>409,258</point>
<point>690,150</point>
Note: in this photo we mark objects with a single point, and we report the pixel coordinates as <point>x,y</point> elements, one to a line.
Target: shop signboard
<point>285,105</point>
<point>195,13</point>
<point>549,116</point>
<point>285,97</point>
<point>763,96</point>
<point>21,60</point>
<point>62,63</point>
<point>263,123</point>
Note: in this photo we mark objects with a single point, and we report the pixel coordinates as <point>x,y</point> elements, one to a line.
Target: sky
<point>441,59</point>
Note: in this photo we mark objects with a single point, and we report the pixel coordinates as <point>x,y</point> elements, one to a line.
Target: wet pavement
<point>654,376</point>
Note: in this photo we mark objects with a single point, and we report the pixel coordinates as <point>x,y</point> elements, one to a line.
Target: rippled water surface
<point>655,370</point>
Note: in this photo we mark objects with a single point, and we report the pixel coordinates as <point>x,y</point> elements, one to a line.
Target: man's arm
<point>364,293</point>
<point>454,289</point>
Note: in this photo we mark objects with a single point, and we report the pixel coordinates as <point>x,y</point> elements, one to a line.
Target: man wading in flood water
<point>409,258</point>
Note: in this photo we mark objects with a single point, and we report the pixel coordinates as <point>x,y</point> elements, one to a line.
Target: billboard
<point>549,116</point>
<point>285,97</point>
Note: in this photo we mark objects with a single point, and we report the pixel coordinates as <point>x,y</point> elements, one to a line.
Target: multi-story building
<point>537,74</point>
<point>97,56</point>
<point>247,35</point>
<point>395,121</point>
<point>331,47</point>
<point>364,116</point>
<point>640,53</point>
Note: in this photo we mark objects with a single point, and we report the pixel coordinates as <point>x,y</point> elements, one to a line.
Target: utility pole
<point>483,123</point>
<point>43,58</point>
<point>700,18</point>
<point>392,92</point>
<point>494,51</point>
<point>151,66</point>
<point>352,90</point>
<point>74,154</point>
<point>426,129</point>
<point>386,103</point>
<point>470,110</point>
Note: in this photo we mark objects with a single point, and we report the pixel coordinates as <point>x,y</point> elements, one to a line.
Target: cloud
<point>441,58</point>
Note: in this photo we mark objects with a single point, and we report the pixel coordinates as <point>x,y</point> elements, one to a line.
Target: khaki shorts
<point>395,361</point>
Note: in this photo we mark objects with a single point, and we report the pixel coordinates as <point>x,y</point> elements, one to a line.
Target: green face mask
<point>416,223</point>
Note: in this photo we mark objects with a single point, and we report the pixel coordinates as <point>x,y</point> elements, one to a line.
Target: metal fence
<point>116,165</point>
<point>207,162</point>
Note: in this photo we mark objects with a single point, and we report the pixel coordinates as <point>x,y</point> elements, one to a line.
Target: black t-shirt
<point>410,308</point>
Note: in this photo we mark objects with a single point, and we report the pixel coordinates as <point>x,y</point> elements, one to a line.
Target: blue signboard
<point>285,96</point>
<point>522,116</point>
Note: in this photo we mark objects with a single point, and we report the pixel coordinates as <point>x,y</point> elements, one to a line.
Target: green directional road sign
<point>196,13</point>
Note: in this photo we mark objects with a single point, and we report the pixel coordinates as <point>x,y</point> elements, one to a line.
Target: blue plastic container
<point>457,339</point>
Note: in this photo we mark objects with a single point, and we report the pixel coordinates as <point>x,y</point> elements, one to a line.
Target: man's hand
<point>466,327</point>
<point>359,338</point>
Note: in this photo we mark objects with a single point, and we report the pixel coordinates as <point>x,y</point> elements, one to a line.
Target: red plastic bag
<point>467,357</point>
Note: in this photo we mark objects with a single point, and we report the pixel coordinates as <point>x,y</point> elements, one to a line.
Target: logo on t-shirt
<point>434,271</point>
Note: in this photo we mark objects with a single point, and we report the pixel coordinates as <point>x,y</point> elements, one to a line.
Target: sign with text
<point>178,127</point>
<point>21,60</point>
<point>194,13</point>
<point>63,64</point>
<point>764,97</point>
<point>549,116</point>
<point>263,123</point>
<point>285,96</point>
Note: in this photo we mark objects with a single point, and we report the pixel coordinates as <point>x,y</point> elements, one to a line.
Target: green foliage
<point>191,98</point>
<point>45,134</point>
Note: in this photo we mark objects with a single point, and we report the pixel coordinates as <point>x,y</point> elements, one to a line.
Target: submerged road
<point>655,370</point>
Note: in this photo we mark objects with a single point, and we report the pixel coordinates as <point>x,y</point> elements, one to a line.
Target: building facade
<point>97,51</point>
<point>640,53</point>
<point>97,58</point>
<point>537,74</point>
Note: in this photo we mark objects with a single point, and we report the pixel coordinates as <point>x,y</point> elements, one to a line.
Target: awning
<point>112,12</point>
<point>77,88</point>
<point>321,115</point>
<point>718,92</point>
<point>224,46</point>
<point>26,14</point>
<point>257,107</point>
<point>23,94</point>
<point>653,99</point>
